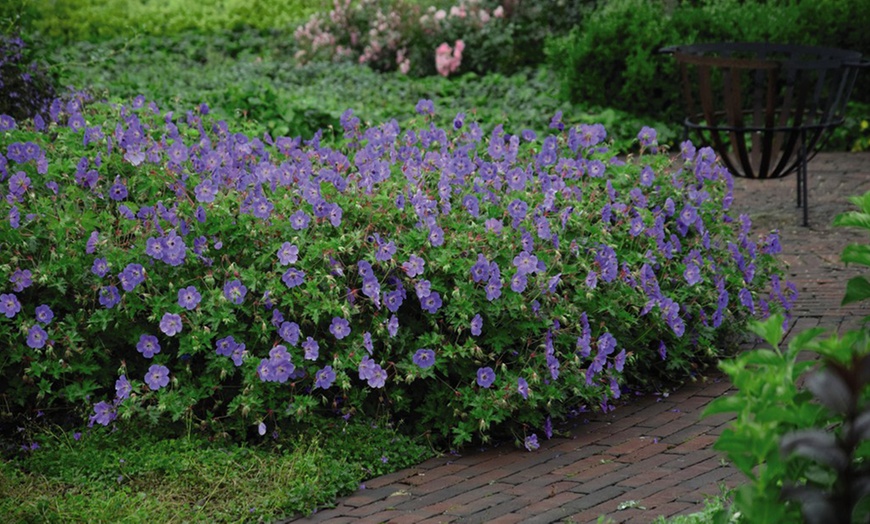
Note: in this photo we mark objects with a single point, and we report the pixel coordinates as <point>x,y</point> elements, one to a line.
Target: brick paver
<point>655,452</point>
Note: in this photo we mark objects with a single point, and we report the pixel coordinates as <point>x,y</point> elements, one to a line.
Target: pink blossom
<point>447,59</point>
<point>499,12</point>
<point>440,15</point>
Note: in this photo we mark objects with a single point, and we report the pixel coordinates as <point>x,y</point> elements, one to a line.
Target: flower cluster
<point>386,37</point>
<point>488,278</point>
<point>26,89</point>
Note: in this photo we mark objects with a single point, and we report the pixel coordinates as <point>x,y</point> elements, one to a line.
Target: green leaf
<point>770,330</point>
<point>857,254</point>
<point>857,289</point>
<point>728,404</point>
<point>853,219</point>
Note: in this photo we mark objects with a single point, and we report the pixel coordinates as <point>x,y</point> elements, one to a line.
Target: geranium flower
<point>44,314</point>
<point>235,291</point>
<point>148,345</point>
<point>324,378</point>
<point>523,388</point>
<point>424,358</point>
<point>485,377</point>
<point>104,413</point>
<point>288,254</point>
<point>311,348</point>
<point>339,327</point>
<point>36,337</point>
<point>157,377</point>
<point>123,387</point>
<point>171,324</point>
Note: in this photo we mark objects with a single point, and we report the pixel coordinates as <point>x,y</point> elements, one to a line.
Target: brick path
<point>654,453</point>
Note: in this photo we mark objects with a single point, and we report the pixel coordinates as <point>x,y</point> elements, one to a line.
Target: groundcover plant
<point>160,267</point>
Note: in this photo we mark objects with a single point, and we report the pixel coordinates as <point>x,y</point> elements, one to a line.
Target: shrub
<point>610,59</point>
<point>26,88</point>
<point>482,36</point>
<point>470,285</point>
<point>95,20</point>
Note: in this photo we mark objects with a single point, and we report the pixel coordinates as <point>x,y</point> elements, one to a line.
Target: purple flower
<point>647,137</point>
<point>414,266</point>
<point>493,288</point>
<point>476,325</point>
<point>157,377</point>
<point>377,377</point>
<point>365,269</point>
<point>393,300</point>
<point>100,267</point>
<point>494,225</point>
<point>485,377</point>
<point>531,442</point>
<point>149,346</point>
<point>170,324</point>
<point>205,191</point>
<point>647,176</point>
<point>189,298</point>
<point>523,388</point>
<point>132,276</point>
<point>393,326</point>
<point>91,244</point>
<point>745,297</point>
<point>425,107</point>
<point>692,274</point>
<point>299,220</point>
<point>519,282</point>
<point>109,297</point>
<point>9,305</point>
<point>224,346</point>
<point>365,368</point>
<point>481,269</point>
<point>424,358</point>
<point>235,291</point>
<point>44,314</point>
<point>104,413</point>
<point>436,236</point>
<point>21,279</point>
<point>289,331</point>
<point>36,337</point>
<point>123,387</point>
<point>288,254</point>
<point>339,327</point>
<point>592,280</point>
<point>553,365</point>
<point>619,361</point>
<point>371,287</point>
<point>517,210</point>
<point>385,252</point>
<point>324,378</point>
<point>293,277</point>
<point>312,349</point>
<point>431,302</point>
<point>423,289</point>
<point>118,191</point>
<point>526,263</point>
<point>367,342</point>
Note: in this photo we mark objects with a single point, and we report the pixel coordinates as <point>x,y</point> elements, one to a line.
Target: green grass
<point>124,476</point>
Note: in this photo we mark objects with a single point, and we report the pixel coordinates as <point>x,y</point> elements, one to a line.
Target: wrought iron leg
<point>802,177</point>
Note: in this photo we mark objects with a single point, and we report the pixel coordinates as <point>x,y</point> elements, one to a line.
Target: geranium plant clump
<point>163,267</point>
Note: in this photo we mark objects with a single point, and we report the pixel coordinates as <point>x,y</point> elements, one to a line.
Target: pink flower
<point>499,12</point>
<point>440,15</point>
<point>447,59</point>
